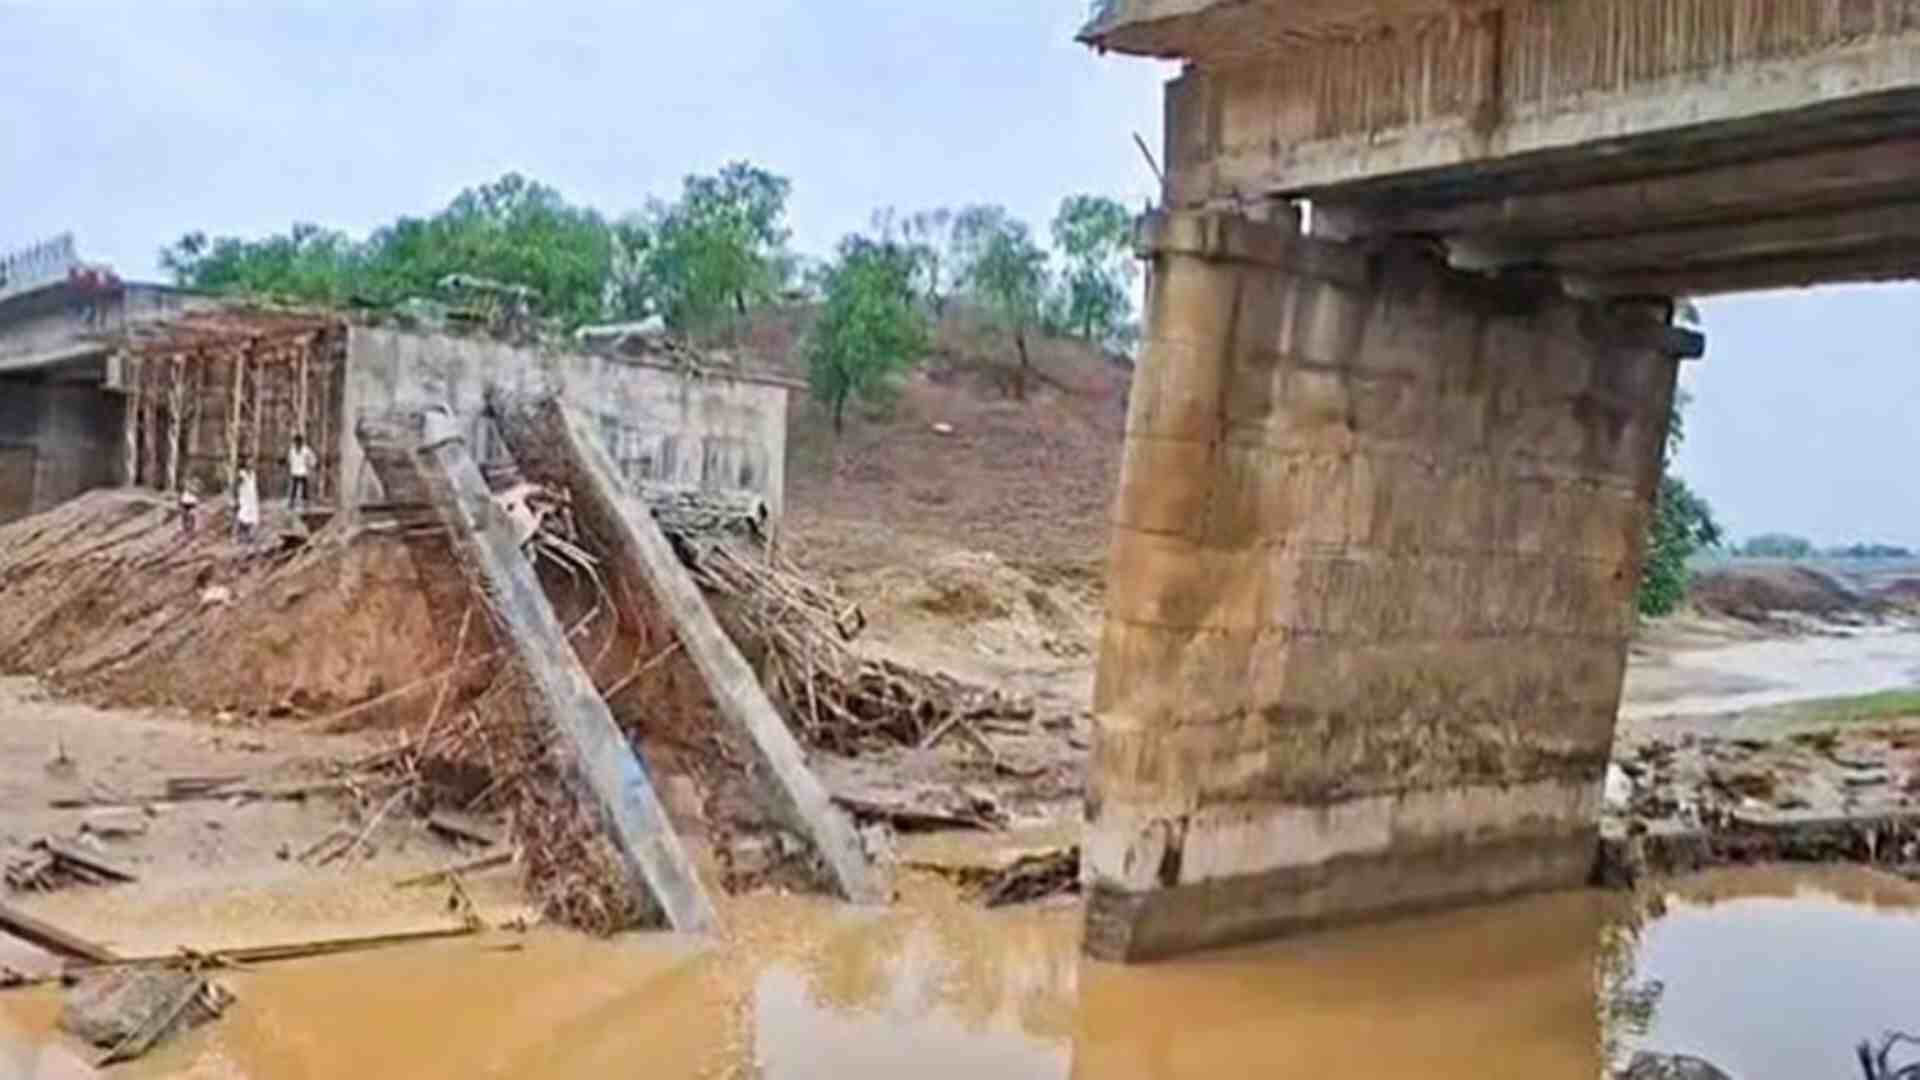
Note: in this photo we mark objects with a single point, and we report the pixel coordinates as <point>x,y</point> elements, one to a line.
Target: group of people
<point>301,463</point>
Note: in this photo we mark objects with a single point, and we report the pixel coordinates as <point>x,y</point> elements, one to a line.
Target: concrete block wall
<point>1374,551</point>
<point>81,446</point>
<point>57,440</point>
<point>660,424</point>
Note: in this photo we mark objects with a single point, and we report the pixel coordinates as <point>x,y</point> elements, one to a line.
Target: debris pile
<point>105,596</point>
<point>127,1011</point>
<point>801,632</point>
<point>49,864</point>
<point>490,758</point>
<point>1681,804</point>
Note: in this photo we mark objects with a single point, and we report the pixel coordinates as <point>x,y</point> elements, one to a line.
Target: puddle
<point>1769,975</point>
<point>1761,674</point>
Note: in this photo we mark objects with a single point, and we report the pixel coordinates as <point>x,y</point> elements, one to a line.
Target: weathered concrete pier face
<point>1377,536</point>
<point>1388,475</point>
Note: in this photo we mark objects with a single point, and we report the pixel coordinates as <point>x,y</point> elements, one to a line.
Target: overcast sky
<point>131,123</point>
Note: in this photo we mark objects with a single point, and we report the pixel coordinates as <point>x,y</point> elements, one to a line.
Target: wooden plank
<point>485,862</point>
<point>52,938</point>
<point>533,427</point>
<point>67,853</point>
<point>562,693</point>
<point>461,828</point>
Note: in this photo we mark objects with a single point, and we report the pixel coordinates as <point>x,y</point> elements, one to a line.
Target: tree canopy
<point>718,249</point>
<point>1682,525</point>
<point>1777,546</point>
<point>1007,276</point>
<point>513,230</point>
<point>870,326</point>
<point>1094,235</point>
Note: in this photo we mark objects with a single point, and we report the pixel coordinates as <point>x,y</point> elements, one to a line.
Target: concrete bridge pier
<point>1374,554</point>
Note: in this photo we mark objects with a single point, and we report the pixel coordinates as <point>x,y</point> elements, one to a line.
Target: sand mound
<point>979,602</point>
<point>105,596</point>
<point>1903,594</point>
<point>1758,592</point>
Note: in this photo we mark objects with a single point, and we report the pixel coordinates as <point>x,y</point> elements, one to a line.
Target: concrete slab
<point>554,442</point>
<point>562,692</point>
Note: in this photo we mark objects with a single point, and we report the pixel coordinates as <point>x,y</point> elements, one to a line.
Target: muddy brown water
<point>1770,974</point>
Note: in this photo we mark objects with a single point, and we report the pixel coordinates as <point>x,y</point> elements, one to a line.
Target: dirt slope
<point>956,461</point>
<point>104,595</point>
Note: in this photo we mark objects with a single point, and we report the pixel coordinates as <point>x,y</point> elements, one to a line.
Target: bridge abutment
<point>1374,555</point>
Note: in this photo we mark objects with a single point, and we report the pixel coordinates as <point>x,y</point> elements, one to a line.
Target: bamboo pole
<point>130,420</point>
<point>176,415</point>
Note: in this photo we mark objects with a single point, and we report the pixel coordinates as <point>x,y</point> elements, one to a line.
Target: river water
<point>1769,974</point>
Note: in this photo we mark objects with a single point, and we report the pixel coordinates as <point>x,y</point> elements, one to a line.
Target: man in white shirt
<point>300,462</point>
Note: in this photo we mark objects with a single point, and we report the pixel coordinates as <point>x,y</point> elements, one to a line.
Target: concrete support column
<point>1374,553</point>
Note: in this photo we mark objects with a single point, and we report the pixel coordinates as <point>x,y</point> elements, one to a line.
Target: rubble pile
<point>802,632</point>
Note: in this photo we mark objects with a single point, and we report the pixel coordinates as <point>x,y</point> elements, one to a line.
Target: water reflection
<point>1774,973</point>
<point>1758,974</point>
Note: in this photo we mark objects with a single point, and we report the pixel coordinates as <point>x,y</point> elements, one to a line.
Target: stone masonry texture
<point>1374,551</point>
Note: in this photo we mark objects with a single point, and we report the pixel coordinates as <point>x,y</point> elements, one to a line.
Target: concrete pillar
<point>1374,553</point>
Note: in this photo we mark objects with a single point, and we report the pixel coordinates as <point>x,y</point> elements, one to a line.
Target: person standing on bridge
<point>300,464</point>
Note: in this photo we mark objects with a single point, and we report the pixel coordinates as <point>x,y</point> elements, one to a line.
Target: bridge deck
<point>1636,147</point>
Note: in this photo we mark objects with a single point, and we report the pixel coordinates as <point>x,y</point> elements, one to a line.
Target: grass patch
<point>1867,708</point>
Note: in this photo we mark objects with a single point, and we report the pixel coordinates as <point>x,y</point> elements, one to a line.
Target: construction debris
<point>911,807</point>
<point>1034,877</point>
<point>425,456</point>
<point>836,699</point>
<point>48,864</point>
<point>462,829</point>
<point>471,866</point>
<point>555,445</point>
<point>128,1011</point>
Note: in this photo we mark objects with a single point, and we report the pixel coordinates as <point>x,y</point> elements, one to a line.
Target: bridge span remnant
<point>1399,422</point>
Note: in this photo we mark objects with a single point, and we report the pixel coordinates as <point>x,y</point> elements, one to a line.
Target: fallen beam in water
<point>560,691</point>
<point>554,445</point>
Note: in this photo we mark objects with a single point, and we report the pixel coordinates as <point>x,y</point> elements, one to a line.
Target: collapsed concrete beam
<point>555,445</point>
<point>442,469</point>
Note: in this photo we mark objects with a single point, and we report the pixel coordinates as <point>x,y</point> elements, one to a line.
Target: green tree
<point>1007,277</point>
<point>929,235</point>
<point>717,251</point>
<point>305,263</point>
<point>972,230</point>
<point>1777,546</point>
<point>513,230</point>
<point>870,326</point>
<point>1094,236</point>
<point>1683,524</point>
